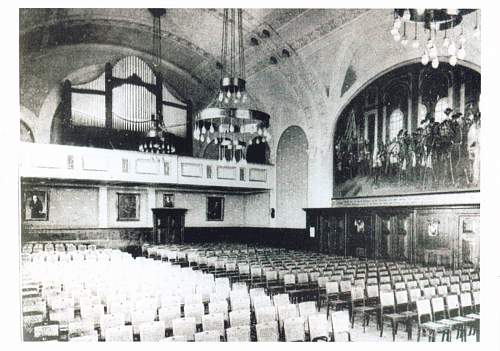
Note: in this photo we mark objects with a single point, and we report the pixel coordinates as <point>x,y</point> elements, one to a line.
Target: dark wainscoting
<point>277,237</point>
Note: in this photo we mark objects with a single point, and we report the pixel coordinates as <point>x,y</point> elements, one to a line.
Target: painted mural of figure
<point>444,149</point>
<point>393,153</point>
<point>474,147</point>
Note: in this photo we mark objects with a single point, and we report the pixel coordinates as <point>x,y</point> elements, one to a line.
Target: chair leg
<point>381,328</point>
<point>418,334</point>
<point>393,330</point>
<point>348,336</point>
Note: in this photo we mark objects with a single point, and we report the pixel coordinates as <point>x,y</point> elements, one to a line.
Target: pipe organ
<point>124,97</point>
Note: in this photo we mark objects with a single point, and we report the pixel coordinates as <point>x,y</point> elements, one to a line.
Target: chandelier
<point>443,32</point>
<point>157,140</point>
<point>232,120</point>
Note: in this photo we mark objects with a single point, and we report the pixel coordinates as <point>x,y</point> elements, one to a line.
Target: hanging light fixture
<point>157,140</point>
<point>436,21</point>
<point>232,120</point>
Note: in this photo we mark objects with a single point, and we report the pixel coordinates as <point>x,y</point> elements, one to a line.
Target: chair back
<point>168,313</point>
<point>294,329</point>
<point>340,321</point>
<point>195,310</point>
<point>286,312</point>
<point>267,332</point>
<point>332,288</point>
<point>152,331</point>
<point>318,326</point>
<point>121,333</point>
<point>207,336</point>
<point>281,299</point>
<point>239,318</point>
<point>184,327</point>
<point>238,334</point>
<point>265,314</point>
<point>219,307</point>
<point>424,311</point>
<point>215,322</point>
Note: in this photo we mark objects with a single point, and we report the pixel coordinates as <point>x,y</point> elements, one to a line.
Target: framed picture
<point>215,208</point>
<point>470,225</point>
<point>168,200</point>
<point>128,207</point>
<point>36,205</point>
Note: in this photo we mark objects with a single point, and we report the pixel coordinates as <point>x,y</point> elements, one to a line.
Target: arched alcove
<point>291,178</point>
<point>380,135</point>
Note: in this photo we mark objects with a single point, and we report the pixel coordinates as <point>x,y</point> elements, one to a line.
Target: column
<point>103,207</point>
<point>365,126</point>
<point>409,124</point>
<point>462,96</point>
<point>151,204</point>
<point>384,124</point>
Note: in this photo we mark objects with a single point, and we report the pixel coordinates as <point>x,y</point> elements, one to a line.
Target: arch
<point>291,178</point>
<point>26,133</point>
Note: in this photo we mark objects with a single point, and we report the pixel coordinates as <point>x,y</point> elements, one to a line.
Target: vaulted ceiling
<point>59,43</point>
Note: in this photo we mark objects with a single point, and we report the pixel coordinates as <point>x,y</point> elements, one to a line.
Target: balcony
<point>118,166</point>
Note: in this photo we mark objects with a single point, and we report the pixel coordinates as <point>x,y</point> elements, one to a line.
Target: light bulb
<point>257,141</point>
<point>221,96</point>
<point>259,131</point>
<point>404,42</point>
<point>477,32</point>
<point>202,138</point>
<point>394,31</point>
<point>228,94</point>
<point>446,42</point>
<point>212,130</point>
<point>264,139</point>
<point>425,59</point>
<point>452,49</point>
<point>397,23</point>
<point>453,60</point>
<point>462,38</point>
<point>433,52</point>
<point>420,12</point>
<point>208,139</point>
<point>226,100</point>
<point>461,53</point>
<point>406,15</point>
<point>250,142</point>
<point>172,149</point>
<point>231,129</point>
<point>216,141</point>
<point>141,148</point>
<point>203,130</point>
<point>435,62</point>
<point>415,44</point>
<point>238,95</point>
<point>397,37</point>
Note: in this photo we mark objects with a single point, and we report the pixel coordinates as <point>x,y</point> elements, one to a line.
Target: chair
<point>240,303</point>
<point>265,314</point>
<point>80,327</point>
<point>333,297</point>
<point>388,312</point>
<point>239,318</point>
<point>426,323</point>
<point>121,333</point>
<point>108,321</point>
<point>215,322</point>
<point>207,336</point>
<point>403,308</point>
<point>319,329</point>
<point>453,313</point>
<point>440,316</point>
<point>238,334</point>
<point>196,310</point>
<point>184,327</point>
<point>92,337</point>
<point>467,310</point>
<point>340,324</point>
<point>294,329</point>
<point>267,332</point>
<point>167,314</point>
<point>152,331</point>
<point>141,316</point>
<point>286,312</point>
<point>273,285</point>
<point>358,305</point>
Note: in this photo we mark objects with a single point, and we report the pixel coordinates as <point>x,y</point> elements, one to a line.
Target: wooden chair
<point>214,322</point>
<point>358,306</point>
<point>340,324</point>
<point>318,327</point>
<point>238,334</point>
<point>388,312</point>
<point>239,318</point>
<point>152,331</point>
<point>267,332</point>
<point>439,314</point>
<point>294,329</point>
<point>453,313</point>
<point>185,327</point>
<point>207,336</point>
<point>122,333</point>
<point>426,323</point>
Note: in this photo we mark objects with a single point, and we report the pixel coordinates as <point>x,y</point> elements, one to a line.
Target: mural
<point>440,153</point>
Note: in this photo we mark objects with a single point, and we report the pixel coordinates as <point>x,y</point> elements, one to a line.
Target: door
<point>360,236</point>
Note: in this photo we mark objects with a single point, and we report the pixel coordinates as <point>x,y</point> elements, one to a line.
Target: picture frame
<point>215,208</point>
<point>168,200</point>
<point>128,206</point>
<point>36,205</point>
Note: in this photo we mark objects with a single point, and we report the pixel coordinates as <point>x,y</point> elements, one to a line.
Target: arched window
<point>441,106</point>
<point>422,112</point>
<point>395,123</point>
